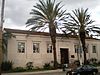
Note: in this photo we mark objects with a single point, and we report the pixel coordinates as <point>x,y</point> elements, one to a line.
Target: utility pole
<point>2,14</point>
<point>1,28</point>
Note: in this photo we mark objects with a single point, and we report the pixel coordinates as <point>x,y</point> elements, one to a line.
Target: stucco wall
<point>39,59</point>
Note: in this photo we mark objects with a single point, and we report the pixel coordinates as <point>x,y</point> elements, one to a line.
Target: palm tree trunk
<point>84,50</point>
<point>54,53</point>
<point>52,31</point>
<point>82,38</point>
<point>84,56</point>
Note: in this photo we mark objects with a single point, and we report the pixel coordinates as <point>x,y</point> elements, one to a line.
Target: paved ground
<point>37,73</point>
<point>54,73</point>
<point>49,72</point>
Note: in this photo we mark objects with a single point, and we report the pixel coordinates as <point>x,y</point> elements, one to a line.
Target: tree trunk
<point>54,53</point>
<point>0,49</point>
<point>82,38</point>
<point>84,56</point>
<point>52,31</point>
<point>84,50</point>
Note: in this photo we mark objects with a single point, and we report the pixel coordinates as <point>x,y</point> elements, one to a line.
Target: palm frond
<point>44,12</point>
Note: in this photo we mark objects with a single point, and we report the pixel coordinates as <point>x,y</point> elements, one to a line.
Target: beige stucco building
<point>36,47</point>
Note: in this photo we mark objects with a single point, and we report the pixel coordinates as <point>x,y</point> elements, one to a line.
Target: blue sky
<point>17,11</point>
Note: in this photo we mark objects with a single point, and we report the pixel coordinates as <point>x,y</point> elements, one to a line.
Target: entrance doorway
<point>64,55</point>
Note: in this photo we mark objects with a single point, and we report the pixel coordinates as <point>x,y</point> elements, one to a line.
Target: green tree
<point>46,14</point>
<point>5,37</point>
<point>79,23</point>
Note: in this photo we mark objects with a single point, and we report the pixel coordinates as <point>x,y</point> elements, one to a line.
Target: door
<point>64,55</point>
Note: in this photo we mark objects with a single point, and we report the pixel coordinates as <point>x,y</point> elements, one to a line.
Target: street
<point>50,73</point>
<point>55,73</point>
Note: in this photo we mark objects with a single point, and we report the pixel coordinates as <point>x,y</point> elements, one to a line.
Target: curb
<point>24,73</point>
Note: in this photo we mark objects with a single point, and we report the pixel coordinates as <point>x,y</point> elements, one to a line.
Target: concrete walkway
<point>37,72</point>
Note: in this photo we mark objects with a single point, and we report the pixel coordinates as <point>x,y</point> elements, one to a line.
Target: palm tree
<point>46,14</point>
<point>79,23</point>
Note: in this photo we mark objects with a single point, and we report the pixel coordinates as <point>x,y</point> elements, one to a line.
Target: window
<point>35,47</point>
<point>93,49</point>
<point>76,48</point>
<point>21,47</point>
<point>49,48</point>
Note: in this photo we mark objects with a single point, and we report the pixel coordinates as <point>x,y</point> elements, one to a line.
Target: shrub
<point>29,65</point>
<point>93,60</point>
<point>37,68</point>
<point>19,69</point>
<point>77,62</point>
<point>6,66</point>
<point>47,66</point>
<point>99,62</point>
<point>88,62</point>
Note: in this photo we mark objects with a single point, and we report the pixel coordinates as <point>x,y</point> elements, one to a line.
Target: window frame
<point>21,51</point>
<point>76,48</point>
<point>49,48</point>
<point>37,50</point>
<point>95,47</point>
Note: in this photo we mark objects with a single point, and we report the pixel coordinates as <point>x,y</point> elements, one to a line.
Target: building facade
<point>36,47</point>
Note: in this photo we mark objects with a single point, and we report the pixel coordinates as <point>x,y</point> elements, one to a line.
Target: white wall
<point>38,59</point>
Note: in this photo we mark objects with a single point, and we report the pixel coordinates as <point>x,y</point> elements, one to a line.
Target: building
<point>36,47</point>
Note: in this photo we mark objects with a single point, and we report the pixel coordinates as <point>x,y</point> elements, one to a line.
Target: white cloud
<point>96,14</point>
<point>10,24</point>
<point>17,11</point>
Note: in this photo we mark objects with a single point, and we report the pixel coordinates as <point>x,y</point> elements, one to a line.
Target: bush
<point>93,60</point>
<point>47,66</point>
<point>6,66</point>
<point>99,62</point>
<point>77,62</point>
<point>19,69</point>
<point>29,66</point>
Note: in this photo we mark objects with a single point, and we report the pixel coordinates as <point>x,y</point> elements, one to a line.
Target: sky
<point>17,11</point>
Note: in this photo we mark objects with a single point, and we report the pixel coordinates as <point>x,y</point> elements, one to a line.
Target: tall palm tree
<point>79,23</point>
<point>46,14</point>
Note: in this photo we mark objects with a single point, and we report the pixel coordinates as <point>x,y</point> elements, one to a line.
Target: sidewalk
<point>37,72</point>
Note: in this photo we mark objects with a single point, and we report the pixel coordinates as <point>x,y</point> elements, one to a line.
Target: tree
<point>79,23</point>
<point>5,37</point>
<point>46,14</point>
<point>1,53</point>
